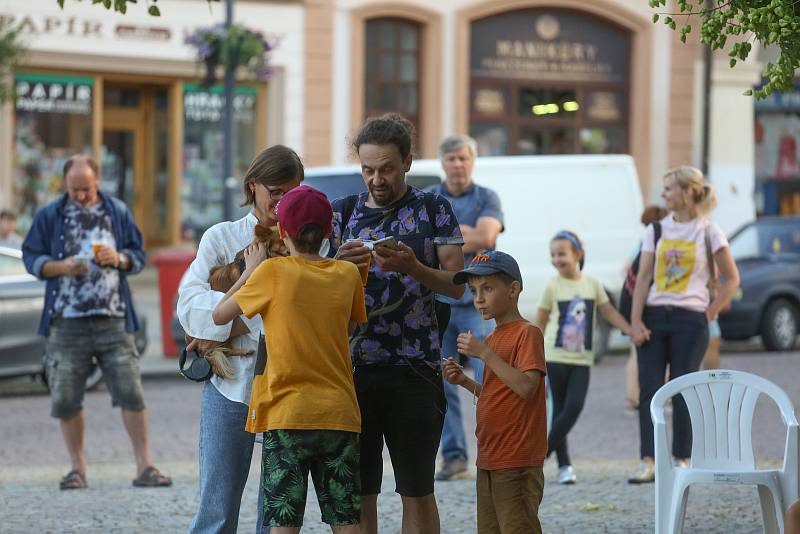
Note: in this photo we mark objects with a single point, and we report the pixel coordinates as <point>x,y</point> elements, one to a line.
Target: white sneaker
<point>565,475</point>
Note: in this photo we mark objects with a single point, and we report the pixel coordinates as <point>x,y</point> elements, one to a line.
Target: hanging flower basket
<point>218,47</point>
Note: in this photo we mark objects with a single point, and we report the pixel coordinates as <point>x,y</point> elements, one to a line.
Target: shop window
<point>492,139</point>
<point>608,140</point>
<point>201,190</point>
<point>392,59</point>
<point>549,81</point>
<point>547,103</point>
<point>53,121</point>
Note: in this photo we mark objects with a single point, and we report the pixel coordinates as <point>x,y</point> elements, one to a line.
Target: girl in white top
<point>671,305</point>
<point>226,449</point>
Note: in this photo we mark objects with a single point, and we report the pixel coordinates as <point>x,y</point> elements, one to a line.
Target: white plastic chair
<point>721,405</point>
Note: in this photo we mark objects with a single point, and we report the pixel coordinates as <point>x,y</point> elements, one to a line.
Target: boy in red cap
<point>304,401</point>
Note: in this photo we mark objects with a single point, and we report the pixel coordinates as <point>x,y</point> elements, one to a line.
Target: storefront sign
<point>46,93</point>
<point>73,26</point>
<point>541,44</point>
<point>779,101</point>
<point>51,25</point>
<point>207,105</point>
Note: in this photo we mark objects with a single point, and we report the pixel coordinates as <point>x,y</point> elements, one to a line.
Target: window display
<point>201,190</point>
<point>53,121</point>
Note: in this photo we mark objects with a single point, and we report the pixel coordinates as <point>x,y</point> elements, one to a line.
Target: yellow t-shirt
<point>306,307</point>
<point>572,305</point>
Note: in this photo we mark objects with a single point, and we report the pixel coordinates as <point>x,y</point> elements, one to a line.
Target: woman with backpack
<point>672,304</point>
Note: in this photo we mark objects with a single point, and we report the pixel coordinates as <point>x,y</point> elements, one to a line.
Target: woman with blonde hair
<point>673,302</point>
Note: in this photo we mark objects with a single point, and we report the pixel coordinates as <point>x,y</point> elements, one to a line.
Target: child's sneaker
<point>453,470</point>
<point>566,475</point>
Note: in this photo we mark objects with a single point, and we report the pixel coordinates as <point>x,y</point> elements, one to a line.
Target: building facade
<point>537,77</point>
<point>521,76</point>
<point>126,89</point>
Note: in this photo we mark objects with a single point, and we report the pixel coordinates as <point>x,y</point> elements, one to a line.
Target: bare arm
<point>228,309</point>
<point>730,282</point>
<point>542,318</point>
<point>523,383</point>
<point>481,236</point>
<point>454,373</point>
<point>644,278</point>
<point>610,313</point>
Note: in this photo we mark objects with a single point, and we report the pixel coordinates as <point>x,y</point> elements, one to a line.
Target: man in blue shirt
<point>480,217</point>
<point>84,244</point>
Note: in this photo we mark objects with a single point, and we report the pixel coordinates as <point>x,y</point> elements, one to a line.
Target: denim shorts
<point>70,348</point>
<point>332,458</point>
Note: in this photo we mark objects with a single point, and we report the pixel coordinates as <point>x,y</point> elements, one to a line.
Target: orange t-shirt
<point>512,431</point>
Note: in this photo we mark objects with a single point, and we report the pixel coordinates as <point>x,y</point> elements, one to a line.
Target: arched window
<point>549,81</point>
<point>392,73</point>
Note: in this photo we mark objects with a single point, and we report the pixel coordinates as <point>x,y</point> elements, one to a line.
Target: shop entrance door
<point>134,154</point>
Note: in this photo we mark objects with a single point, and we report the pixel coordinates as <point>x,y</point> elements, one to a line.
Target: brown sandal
<point>151,478</point>
<point>73,480</point>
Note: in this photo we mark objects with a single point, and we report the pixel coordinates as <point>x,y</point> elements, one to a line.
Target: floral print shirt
<point>401,327</point>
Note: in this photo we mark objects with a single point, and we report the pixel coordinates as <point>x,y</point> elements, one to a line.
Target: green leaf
<point>61,4</point>
<point>154,11</point>
<point>732,63</point>
<point>107,4</point>
<point>655,16</point>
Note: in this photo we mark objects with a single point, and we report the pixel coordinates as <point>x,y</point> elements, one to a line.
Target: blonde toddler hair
<point>691,179</point>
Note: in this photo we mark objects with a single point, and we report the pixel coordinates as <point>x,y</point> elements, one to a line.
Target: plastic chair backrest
<point>721,405</point>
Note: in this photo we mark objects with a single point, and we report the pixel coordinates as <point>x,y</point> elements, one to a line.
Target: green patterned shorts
<point>332,456</point>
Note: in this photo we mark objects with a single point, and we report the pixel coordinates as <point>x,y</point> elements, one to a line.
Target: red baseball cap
<point>304,205</point>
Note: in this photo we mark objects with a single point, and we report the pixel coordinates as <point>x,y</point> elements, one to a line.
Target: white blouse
<point>196,302</point>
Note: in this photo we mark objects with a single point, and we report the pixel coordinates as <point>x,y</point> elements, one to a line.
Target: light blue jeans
<point>225,454</point>
<point>462,319</point>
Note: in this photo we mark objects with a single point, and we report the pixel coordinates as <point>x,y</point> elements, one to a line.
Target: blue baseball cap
<point>490,262</point>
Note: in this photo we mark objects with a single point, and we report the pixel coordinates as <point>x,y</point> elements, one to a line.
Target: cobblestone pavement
<point>604,446</point>
<point>601,502</point>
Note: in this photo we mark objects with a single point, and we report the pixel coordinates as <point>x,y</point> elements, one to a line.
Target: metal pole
<point>227,127</point>
<point>707,61</point>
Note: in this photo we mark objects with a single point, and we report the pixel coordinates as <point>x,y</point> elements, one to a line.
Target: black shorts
<point>403,405</point>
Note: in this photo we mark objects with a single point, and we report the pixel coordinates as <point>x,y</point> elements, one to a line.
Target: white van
<point>597,197</point>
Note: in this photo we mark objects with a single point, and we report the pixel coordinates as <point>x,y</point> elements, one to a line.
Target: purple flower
<point>395,330</point>
<point>405,223</point>
<point>371,350</point>
<point>423,216</point>
<point>434,337</point>
<point>442,220</point>
<point>418,317</point>
<point>411,351</point>
<point>429,250</point>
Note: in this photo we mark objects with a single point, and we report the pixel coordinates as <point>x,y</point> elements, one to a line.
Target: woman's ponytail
<point>709,199</point>
<point>691,179</point>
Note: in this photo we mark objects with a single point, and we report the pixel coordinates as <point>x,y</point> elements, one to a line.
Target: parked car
<point>21,303</point>
<point>596,196</point>
<point>767,253</point>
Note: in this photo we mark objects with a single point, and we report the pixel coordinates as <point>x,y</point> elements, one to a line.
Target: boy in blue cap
<point>511,416</point>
